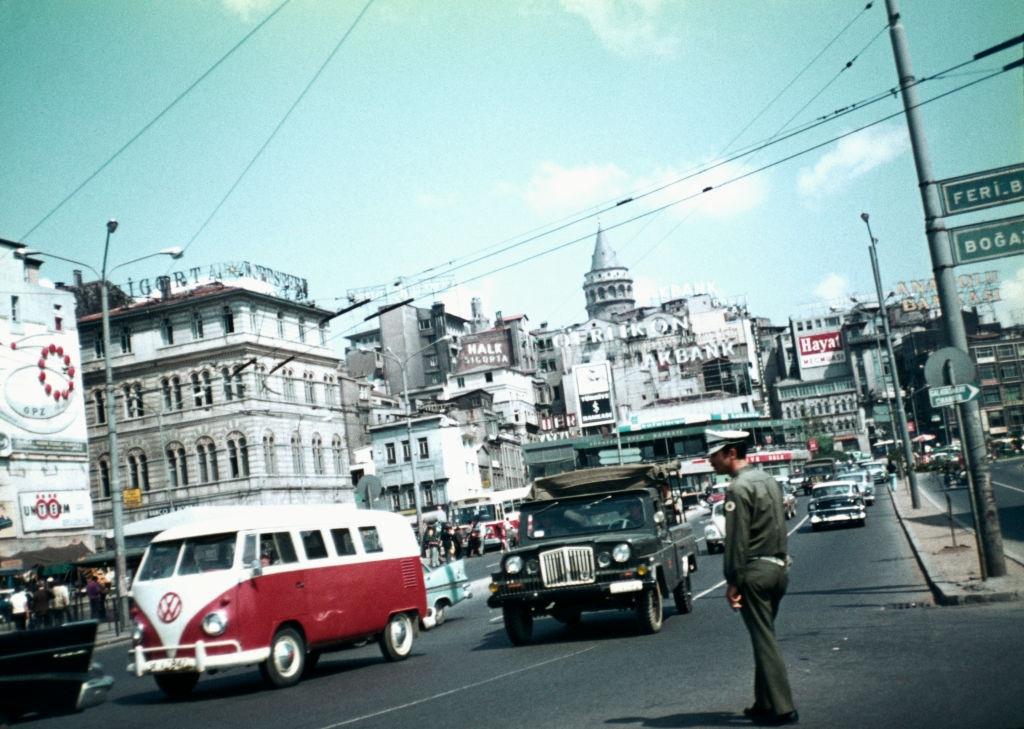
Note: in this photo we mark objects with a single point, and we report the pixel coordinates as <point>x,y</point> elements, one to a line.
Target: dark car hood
<point>633,538</point>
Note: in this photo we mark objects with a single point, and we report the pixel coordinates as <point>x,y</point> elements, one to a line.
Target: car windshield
<point>837,490</point>
<point>610,513</point>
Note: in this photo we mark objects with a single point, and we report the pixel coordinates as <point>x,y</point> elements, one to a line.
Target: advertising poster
<point>820,349</point>
<point>594,394</point>
<point>484,351</point>
<point>46,510</point>
<point>7,519</point>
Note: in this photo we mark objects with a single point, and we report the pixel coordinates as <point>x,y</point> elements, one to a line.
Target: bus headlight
<point>621,552</point>
<point>513,565</point>
<point>137,631</point>
<point>215,623</point>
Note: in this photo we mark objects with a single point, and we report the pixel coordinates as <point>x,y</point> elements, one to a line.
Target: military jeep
<point>596,539</point>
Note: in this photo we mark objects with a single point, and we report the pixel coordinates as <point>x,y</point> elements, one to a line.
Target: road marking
<point>1008,486</point>
<point>493,564</point>
<point>499,677</point>
<point>715,587</point>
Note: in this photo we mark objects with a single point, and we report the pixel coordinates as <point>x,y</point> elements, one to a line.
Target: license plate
<point>173,664</point>
<point>625,586</point>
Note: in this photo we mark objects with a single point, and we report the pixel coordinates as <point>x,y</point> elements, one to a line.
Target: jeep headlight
<point>603,559</point>
<point>215,623</point>
<point>621,553</point>
<point>513,565</point>
<point>711,532</point>
<point>811,507</point>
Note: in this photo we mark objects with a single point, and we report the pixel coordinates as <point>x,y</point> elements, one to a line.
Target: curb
<point>952,593</point>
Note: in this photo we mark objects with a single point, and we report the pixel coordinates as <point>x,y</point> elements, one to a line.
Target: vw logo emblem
<point>169,608</point>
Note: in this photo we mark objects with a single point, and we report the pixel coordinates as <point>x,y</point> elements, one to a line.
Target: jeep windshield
<point>572,517</point>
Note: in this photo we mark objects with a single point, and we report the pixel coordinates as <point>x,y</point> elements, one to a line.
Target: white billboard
<point>46,510</point>
<point>594,394</point>
<point>821,349</point>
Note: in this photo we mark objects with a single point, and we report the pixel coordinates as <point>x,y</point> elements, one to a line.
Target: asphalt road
<point>864,646</point>
<point>1008,485</point>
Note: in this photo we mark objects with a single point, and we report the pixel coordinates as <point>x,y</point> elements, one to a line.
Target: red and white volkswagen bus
<point>274,587</point>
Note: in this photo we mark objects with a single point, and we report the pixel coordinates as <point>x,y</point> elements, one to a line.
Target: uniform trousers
<point>762,585</point>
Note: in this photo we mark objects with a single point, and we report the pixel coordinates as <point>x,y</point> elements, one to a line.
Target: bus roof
<point>286,516</point>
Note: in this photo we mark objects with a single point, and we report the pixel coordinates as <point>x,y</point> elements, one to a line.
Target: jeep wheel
<point>518,624</point>
<point>176,685</point>
<point>683,595</point>
<point>648,609</point>
<point>396,640</point>
<point>287,659</point>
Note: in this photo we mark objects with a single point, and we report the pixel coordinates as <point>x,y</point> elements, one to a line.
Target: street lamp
<point>908,451</point>
<point>116,505</point>
<point>402,365</point>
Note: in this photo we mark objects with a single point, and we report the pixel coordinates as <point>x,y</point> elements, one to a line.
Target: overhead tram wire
<point>566,244</point>
<point>155,119</point>
<point>277,127</point>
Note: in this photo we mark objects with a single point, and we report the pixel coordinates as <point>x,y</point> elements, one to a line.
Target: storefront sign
<point>285,285</point>
<point>821,349</point>
<point>770,457</point>
<point>558,422</point>
<point>593,393</point>
<point>46,510</point>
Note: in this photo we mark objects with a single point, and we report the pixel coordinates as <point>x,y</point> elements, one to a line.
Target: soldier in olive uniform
<point>755,569</point>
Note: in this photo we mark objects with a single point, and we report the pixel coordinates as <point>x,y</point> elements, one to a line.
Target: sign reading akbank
<point>821,349</point>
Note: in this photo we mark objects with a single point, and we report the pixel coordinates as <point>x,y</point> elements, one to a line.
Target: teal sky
<point>441,129</point>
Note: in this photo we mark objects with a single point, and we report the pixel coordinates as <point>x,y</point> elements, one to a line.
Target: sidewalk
<point>953,572</point>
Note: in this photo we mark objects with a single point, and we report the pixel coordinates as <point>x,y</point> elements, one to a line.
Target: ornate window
<point>280,324</point>
<point>227,319</point>
<point>100,401</point>
<point>197,325</point>
<point>206,454</point>
<point>103,472</point>
<point>138,470</point>
<point>298,467</point>
<point>133,404</point>
<point>318,454</point>
<point>238,456</point>
<point>167,330</point>
<point>287,377</point>
<point>177,465</point>
<point>269,454</point>
<point>309,385</point>
<point>338,451</point>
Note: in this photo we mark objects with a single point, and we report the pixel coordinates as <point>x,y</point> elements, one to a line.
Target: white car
<point>714,531</point>
<point>865,484</point>
<point>836,502</point>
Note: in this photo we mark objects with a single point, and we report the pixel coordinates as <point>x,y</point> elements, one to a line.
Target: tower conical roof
<point>604,256</point>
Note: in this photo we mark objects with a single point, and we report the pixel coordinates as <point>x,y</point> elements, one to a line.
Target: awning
<point>49,556</point>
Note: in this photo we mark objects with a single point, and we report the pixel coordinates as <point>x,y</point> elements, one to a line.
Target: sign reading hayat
<point>821,349</point>
<point>484,350</point>
<point>45,510</point>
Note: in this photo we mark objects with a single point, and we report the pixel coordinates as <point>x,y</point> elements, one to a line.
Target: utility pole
<point>952,319</point>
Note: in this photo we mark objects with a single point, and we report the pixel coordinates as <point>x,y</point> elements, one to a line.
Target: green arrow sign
<point>982,189</point>
<point>983,241</point>
<point>951,395</point>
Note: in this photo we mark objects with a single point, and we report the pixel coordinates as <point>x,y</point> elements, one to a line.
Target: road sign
<point>961,365</point>
<point>951,395</point>
<point>132,498</point>
<point>981,190</point>
<point>984,241</point>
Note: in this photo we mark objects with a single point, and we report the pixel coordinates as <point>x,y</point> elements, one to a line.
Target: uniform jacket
<point>755,525</point>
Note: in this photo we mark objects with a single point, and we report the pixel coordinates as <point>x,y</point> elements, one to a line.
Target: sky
<point>438,133</point>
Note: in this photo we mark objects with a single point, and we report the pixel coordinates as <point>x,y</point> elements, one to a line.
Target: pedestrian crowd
<point>445,542</point>
<point>46,603</point>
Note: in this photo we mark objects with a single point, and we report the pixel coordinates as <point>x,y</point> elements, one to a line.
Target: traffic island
<point>948,555</point>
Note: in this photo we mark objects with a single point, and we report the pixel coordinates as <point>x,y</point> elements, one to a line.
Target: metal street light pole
<point>943,267</point>
<point>901,415</point>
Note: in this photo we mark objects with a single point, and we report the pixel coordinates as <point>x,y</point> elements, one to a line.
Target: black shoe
<point>756,712</point>
<point>791,717</point>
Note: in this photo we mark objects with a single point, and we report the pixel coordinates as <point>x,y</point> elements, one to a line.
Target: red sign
<point>770,457</point>
<point>558,422</point>
<point>821,349</point>
<point>812,445</point>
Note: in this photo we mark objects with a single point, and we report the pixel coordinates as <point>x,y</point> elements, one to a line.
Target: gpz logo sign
<point>819,350</point>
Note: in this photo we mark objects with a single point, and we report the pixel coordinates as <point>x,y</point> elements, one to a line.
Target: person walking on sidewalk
<point>19,607</point>
<point>756,569</point>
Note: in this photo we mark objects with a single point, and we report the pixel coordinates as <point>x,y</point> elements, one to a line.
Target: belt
<point>773,560</point>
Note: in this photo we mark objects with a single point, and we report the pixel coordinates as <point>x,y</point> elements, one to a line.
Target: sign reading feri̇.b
<point>985,241</point>
<point>982,190</point>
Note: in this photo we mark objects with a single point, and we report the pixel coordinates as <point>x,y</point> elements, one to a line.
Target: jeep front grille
<point>567,566</point>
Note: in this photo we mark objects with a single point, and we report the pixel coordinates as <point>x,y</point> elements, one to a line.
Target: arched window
<point>310,387</point>
<point>176,392</point>
<point>280,324</point>
<point>197,325</point>
<point>206,454</point>
<point>207,387</point>
<point>100,402</point>
<point>138,470</point>
<point>269,454</point>
<point>103,475</point>
<point>225,376</point>
<point>338,453</point>
<point>318,454</point>
<point>238,456</point>
<point>165,386</point>
<point>600,293</point>
<point>287,377</point>
<point>177,465</point>
<point>298,467</point>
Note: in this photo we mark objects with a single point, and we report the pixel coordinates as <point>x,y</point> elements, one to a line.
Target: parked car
<point>865,484</point>
<point>596,539</point>
<point>836,502</point>
<point>50,671</point>
<point>714,530</point>
<point>447,585</point>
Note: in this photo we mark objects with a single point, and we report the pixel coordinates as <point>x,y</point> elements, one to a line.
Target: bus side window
<point>313,544</point>
<point>371,539</point>
<point>249,550</point>
<point>277,548</point>
<point>343,544</point>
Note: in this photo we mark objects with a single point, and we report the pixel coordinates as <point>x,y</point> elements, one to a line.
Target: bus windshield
<point>478,512</point>
<point>198,554</point>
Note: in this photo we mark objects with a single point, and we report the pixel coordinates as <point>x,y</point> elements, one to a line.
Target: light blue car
<point>447,585</point>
